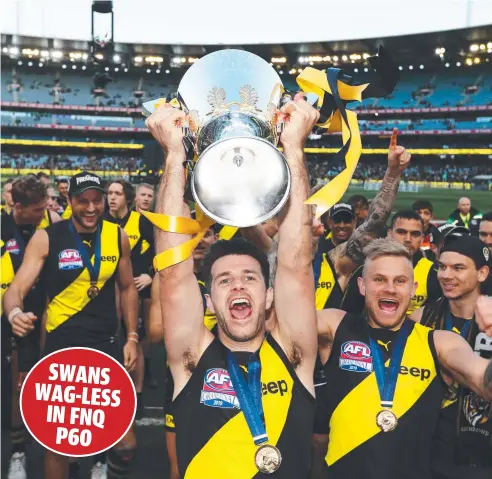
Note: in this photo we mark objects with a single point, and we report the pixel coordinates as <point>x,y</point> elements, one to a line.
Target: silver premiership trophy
<point>240,178</point>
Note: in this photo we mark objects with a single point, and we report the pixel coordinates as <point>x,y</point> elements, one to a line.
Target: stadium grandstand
<point>73,89</point>
<point>64,109</point>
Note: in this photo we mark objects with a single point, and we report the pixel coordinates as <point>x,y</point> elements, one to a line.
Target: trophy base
<point>241,181</point>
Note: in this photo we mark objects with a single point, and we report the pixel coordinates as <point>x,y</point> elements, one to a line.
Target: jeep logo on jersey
<point>218,390</point>
<point>111,259</point>
<point>12,247</point>
<point>324,284</point>
<point>418,298</point>
<point>355,356</point>
<point>69,259</point>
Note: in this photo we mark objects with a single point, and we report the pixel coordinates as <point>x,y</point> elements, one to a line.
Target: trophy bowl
<point>240,177</point>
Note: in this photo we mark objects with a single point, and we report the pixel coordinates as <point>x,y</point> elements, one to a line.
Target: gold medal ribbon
<point>341,120</point>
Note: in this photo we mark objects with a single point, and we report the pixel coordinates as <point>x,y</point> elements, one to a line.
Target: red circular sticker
<point>78,402</point>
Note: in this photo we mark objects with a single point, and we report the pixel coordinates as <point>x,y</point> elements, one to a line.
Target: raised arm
<point>457,359</point>
<point>180,298</point>
<point>380,209</point>
<point>294,282</point>
<point>129,303</point>
<point>25,278</point>
<point>328,321</point>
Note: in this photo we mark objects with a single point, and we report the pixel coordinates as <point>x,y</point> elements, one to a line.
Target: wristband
<point>135,334</point>
<point>132,339</point>
<point>14,313</point>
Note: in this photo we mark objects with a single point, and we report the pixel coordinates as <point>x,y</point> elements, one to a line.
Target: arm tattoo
<point>487,378</point>
<point>379,213</point>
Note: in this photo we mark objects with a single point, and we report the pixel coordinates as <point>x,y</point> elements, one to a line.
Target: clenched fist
<point>166,124</point>
<point>299,117</point>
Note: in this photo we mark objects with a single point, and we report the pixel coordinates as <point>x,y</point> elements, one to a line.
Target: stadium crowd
<point>352,290</point>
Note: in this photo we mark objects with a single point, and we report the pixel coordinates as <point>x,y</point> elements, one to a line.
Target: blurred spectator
<point>465,214</point>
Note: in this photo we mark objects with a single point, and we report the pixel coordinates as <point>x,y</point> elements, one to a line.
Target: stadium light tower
<point>102,44</point>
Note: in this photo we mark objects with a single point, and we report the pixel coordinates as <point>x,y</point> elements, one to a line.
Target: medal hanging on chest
<point>93,290</point>
<point>387,378</point>
<point>267,457</point>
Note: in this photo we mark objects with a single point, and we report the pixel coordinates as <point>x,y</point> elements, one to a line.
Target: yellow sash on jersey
<point>45,222</point>
<point>230,452</point>
<point>73,299</point>
<point>420,273</point>
<point>227,232</point>
<point>7,271</point>
<point>354,420</point>
<point>326,283</point>
<point>67,214</point>
<point>132,229</point>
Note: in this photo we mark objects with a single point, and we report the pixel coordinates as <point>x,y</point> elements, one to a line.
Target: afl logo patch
<point>69,259</point>
<point>355,356</point>
<point>218,390</point>
<point>12,247</point>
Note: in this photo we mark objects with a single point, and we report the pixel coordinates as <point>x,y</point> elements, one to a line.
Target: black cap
<point>469,246</point>
<point>342,209</point>
<point>447,230</point>
<point>84,181</point>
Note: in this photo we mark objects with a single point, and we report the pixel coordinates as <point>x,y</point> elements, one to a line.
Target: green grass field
<point>444,201</point>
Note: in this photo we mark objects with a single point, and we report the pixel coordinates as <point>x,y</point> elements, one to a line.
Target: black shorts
<point>168,402</point>
<point>110,346</point>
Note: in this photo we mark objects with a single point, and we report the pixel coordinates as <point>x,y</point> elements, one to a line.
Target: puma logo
<point>385,345</point>
<point>244,368</point>
<point>88,243</point>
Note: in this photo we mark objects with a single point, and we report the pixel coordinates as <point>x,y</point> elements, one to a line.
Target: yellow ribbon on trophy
<point>341,120</point>
<point>332,92</point>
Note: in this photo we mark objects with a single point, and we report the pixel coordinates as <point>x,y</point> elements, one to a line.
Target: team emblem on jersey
<point>476,409</point>
<point>218,390</point>
<point>355,356</point>
<point>12,247</point>
<point>70,259</point>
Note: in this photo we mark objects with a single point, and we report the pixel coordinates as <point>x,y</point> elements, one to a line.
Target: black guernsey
<point>213,439</point>
<point>357,447</point>
<point>72,317</point>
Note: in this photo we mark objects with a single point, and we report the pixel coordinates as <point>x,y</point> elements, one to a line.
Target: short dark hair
<point>28,190</point>
<point>128,189</point>
<point>406,215</point>
<point>487,216</point>
<point>235,246</point>
<point>62,180</point>
<point>42,174</point>
<point>423,205</point>
<point>358,200</point>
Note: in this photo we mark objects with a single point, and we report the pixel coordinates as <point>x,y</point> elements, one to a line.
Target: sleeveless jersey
<point>357,447</point>
<point>140,234</point>
<point>213,439</point>
<point>420,272</point>
<point>45,222</point>
<point>7,271</point>
<point>464,430</point>
<point>71,313</point>
<point>328,292</point>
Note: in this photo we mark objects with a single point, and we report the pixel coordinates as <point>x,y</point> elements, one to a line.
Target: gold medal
<point>268,459</point>
<point>93,291</point>
<point>386,420</point>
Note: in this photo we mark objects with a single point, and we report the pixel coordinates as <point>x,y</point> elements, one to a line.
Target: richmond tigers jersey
<point>212,438</point>
<point>357,447</point>
<point>71,313</point>
<point>328,292</point>
<point>465,424</point>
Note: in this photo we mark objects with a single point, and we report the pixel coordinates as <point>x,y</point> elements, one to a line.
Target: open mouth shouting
<point>388,305</point>
<point>240,308</point>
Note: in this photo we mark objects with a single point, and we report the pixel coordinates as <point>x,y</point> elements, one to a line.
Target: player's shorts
<point>168,402</point>
<point>111,346</point>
